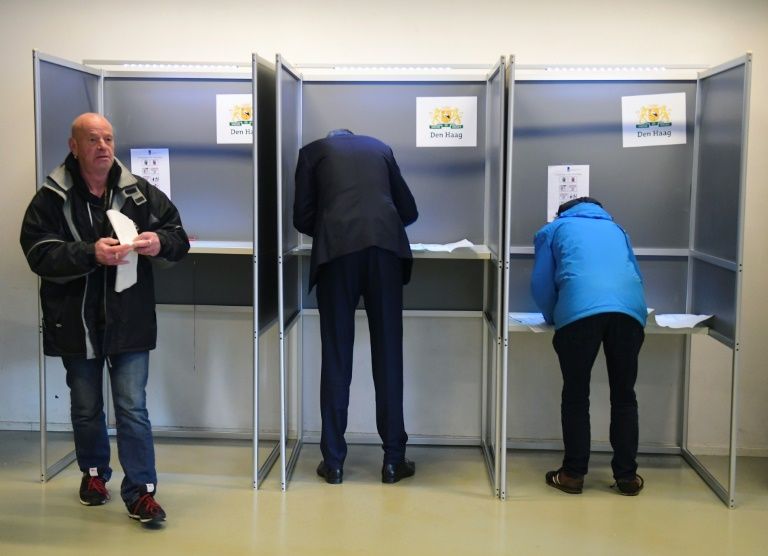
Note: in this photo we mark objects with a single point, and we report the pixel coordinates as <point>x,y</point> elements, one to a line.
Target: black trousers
<point>377,275</point>
<point>577,345</point>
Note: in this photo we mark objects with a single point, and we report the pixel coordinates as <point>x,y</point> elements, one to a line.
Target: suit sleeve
<point>543,276</point>
<point>51,253</point>
<point>305,200</point>
<point>401,195</point>
<point>166,223</point>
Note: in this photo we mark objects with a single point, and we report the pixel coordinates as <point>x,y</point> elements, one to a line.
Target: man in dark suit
<point>353,201</point>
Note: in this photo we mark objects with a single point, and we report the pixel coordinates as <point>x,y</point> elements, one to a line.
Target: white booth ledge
<point>199,247</point>
<point>650,328</point>
<point>476,252</point>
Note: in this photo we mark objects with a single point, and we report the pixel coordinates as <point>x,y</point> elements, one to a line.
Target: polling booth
<point>664,150</point>
<point>445,126</point>
<point>204,134</point>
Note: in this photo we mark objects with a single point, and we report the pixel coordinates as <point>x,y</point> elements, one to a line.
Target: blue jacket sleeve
<point>632,256</point>
<point>543,277</point>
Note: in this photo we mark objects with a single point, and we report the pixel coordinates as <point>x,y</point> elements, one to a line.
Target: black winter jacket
<point>83,316</point>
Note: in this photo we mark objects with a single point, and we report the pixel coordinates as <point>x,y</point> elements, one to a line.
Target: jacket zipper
<point>107,203</point>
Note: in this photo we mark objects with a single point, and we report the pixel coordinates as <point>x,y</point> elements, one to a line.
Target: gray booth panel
<point>291,284</point>
<point>436,285</point>
<point>495,125</point>
<point>447,183</point>
<point>266,155</point>
<point>65,93</point>
<point>290,107</point>
<point>217,280</point>
<point>211,184</point>
<point>714,293</point>
<point>492,303</point>
<point>719,170</point>
<point>664,280</point>
<point>647,189</point>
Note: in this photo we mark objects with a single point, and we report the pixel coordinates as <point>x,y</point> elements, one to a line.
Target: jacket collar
<point>587,210</point>
<point>62,179</point>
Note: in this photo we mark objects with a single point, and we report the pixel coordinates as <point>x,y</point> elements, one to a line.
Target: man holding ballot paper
<point>98,302</point>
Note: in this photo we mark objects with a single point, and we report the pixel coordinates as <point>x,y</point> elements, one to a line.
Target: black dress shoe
<point>393,472</point>
<point>331,476</point>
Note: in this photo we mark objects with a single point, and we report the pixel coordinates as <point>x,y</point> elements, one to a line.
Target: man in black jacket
<point>68,241</point>
<point>353,201</point>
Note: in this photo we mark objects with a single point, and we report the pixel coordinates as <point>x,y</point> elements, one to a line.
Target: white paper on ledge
<point>680,320</point>
<point>441,247</point>
<point>534,321</point>
<point>125,229</point>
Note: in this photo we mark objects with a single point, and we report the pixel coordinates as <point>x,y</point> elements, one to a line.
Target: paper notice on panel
<point>446,121</point>
<point>649,120</point>
<point>565,183</point>
<point>154,166</point>
<point>234,118</point>
<point>125,229</point>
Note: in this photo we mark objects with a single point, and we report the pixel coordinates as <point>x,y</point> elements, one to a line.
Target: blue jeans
<point>128,374</point>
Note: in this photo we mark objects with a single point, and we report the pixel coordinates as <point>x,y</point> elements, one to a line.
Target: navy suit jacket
<point>350,195</point>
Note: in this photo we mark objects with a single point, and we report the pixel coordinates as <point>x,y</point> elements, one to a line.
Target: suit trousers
<point>377,275</point>
<point>577,345</point>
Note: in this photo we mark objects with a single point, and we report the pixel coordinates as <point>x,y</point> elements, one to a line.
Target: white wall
<point>559,31</point>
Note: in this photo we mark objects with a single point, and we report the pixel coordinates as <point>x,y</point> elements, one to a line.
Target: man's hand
<point>147,243</point>
<point>109,252</point>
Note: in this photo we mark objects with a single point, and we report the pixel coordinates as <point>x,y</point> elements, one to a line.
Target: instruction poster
<point>446,121</point>
<point>653,120</point>
<point>154,166</point>
<point>564,183</point>
<point>234,118</point>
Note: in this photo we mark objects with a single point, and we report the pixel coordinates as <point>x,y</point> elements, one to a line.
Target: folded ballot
<point>125,229</point>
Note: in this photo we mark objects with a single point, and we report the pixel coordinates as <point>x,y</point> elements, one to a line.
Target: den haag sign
<point>446,121</point>
<point>653,120</point>
<point>234,118</point>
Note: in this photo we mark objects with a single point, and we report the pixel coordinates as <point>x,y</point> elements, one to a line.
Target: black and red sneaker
<point>146,509</point>
<point>93,488</point>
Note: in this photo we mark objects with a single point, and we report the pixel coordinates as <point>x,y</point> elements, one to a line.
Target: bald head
<point>92,144</point>
<point>83,122</point>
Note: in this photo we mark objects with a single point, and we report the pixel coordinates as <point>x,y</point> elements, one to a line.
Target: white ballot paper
<point>680,321</point>
<point>441,247</point>
<point>534,321</point>
<point>125,229</point>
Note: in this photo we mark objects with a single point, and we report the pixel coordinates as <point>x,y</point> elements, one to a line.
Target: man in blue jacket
<point>353,201</point>
<point>587,283</point>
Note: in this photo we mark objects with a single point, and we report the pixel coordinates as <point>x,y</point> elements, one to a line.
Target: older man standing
<point>69,242</point>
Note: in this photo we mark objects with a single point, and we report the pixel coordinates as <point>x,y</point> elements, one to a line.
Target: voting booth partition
<point>673,178</point>
<point>197,130</point>
<point>445,126</point>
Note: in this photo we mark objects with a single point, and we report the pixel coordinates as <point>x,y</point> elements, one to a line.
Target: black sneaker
<point>146,509</point>
<point>93,488</point>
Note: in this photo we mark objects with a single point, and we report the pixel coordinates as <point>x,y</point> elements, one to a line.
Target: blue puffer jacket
<point>584,266</point>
